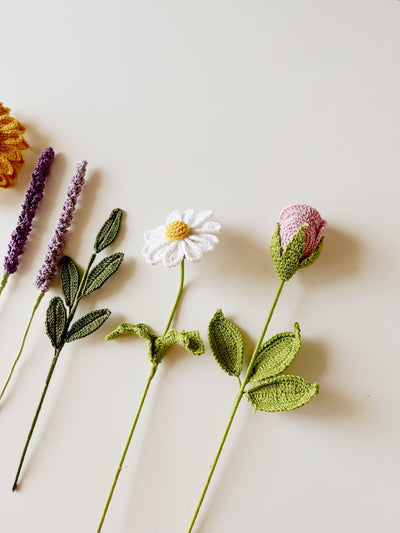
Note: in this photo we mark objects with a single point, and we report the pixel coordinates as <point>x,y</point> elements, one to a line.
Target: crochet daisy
<point>11,143</point>
<point>185,235</point>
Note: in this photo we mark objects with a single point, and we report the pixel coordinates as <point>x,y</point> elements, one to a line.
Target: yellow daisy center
<point>176,231</point>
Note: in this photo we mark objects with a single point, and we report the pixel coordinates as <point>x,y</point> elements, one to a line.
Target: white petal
<point>172,254</point>
<point>199,218</point>
<point>188,216</point>
<point>153,234</point>
<point>193,251</point>
<point>207,241</point>
<point>208,227</point>
<point>175,215</point>
<point>155,254</point>
<point>154,245</point>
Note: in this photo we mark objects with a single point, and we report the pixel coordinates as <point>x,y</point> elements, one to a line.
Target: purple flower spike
<point>48,270</point>
<point>33,196</point>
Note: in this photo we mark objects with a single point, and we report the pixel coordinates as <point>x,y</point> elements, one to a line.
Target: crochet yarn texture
<point>33,197</point>
<point>294,217</point>
<point>185,235</point>
<point>11,143</point>
<point>52,258</point>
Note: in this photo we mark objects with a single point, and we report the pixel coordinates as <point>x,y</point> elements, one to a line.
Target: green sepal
<point>310,259</point>
<point>109,230</point>
<point>141,330</point>
<point>281,393</point>
<point>192,342</point>
<point>287,263</point>
<point>276,354</point>
<point>102,271</point>
<point>276,248</point>
<point>226,344</point>
<point>87,324</point>
<point>70,279</point>
<point>56,321</point>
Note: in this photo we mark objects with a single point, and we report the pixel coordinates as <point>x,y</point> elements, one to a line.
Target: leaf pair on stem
<point>270,392</point>
<point>60,327</point>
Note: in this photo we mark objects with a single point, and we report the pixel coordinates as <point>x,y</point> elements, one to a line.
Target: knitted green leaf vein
<point>87,324</point>
<point>101,272</point>
<point>70,279</point>
<point>276,354</point>
<point>226,344</point>
<point>281,393</point>
<point>56,320</point>
<point>108,231</point>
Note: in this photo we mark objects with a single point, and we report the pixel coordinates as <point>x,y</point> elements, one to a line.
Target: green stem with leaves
<point>237,401</point>
<point>52,367</point>
<point>139,410</point>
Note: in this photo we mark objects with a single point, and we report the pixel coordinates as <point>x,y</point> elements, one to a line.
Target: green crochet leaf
<point>226,344</point>
<point>276,354</point>
<point>310,259</point>
<point>141,330</point>
<point>101,272</point>
<point>108,231</point>
<point>56,321</point>
<point>162,345</point>
<point>129,329</point>
<point>70,279</point>
<point>192,342</point>
<point>87,324</point>
<point>281,393</point>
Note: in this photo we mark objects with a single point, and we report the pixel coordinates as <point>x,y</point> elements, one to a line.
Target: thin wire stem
<point>178,297</point>
<point>238,398</point>
<point>35,306</point>
<point>35,418</point>
<point>121,463</point>
<point>152,373</point>
<point>3,281</point>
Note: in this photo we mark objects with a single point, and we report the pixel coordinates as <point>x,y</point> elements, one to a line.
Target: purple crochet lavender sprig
<point>33,197</point>
<point>52,258</point>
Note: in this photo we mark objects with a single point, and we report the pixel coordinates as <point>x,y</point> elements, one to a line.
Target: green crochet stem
<point>235,406</point>
<point>3,281</point>
<point>121,463</point>
<point>139,410</point>
<point>57,352</point>
<point>178,297</point>
<point>35,306</point>
<point>35,418</point>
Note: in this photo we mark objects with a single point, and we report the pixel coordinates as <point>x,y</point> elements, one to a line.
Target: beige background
<point>241,107</point>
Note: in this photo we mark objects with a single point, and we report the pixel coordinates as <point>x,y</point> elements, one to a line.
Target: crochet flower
<point>185,235</point>
<point>298,216</point>
<point>297,241</point>
<point>11,143</point>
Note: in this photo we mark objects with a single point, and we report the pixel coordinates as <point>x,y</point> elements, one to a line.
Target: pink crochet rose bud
<point>297,241</point>
<point>294,217</point>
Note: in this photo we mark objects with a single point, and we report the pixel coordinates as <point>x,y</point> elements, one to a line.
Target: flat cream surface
<point>242,107</point>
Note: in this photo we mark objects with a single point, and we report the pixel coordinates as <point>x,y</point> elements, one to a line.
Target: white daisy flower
<point>185,235</point>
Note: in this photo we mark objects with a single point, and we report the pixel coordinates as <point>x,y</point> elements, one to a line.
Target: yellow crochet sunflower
<point>11,143</point>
